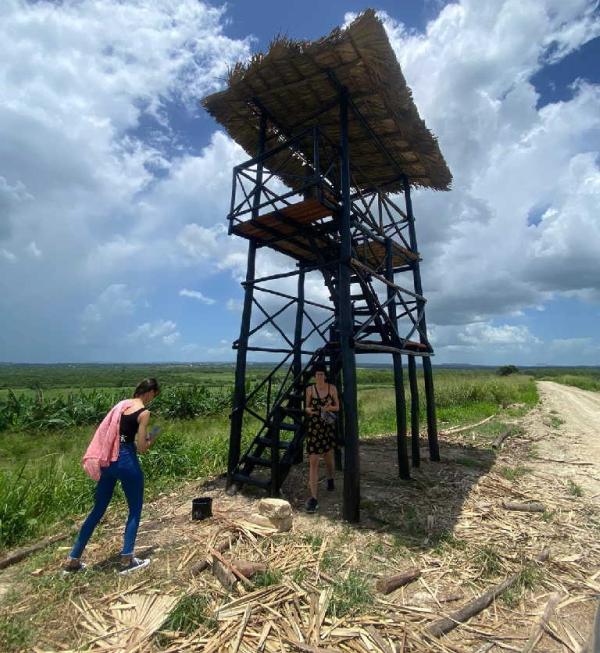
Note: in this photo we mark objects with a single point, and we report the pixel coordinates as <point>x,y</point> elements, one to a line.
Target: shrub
<point>507,370</point>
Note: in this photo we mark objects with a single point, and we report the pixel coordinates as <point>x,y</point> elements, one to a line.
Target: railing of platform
<point>275,188</point>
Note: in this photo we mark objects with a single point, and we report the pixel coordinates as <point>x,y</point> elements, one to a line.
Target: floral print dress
<point>320,436</point>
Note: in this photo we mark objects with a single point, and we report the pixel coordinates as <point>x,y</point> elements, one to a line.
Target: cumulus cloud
<point>98,177</point>
<point>196,294</point>
<point>106,315</point>
<point>33,250</point>
<point>103,194</point>
<point>470,73</point>
<point>163,331</point>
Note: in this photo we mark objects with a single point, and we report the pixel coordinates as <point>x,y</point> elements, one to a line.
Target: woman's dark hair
<point>146,385</point>
<point>320,367</point>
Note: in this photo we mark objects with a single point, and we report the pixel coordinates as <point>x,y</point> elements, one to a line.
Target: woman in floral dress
<point>321,402</point>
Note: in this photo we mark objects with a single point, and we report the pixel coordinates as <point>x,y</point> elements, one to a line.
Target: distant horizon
<point>269,363</point>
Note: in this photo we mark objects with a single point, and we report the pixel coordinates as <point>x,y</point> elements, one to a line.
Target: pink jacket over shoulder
<point>104,447</point>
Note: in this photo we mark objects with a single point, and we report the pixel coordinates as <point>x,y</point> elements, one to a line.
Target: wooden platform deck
<point>306,230</point>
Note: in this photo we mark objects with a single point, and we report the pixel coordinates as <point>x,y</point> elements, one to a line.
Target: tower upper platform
<point>297,84</point>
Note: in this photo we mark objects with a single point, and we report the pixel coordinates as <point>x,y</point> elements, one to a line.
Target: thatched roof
<point>293,82</point>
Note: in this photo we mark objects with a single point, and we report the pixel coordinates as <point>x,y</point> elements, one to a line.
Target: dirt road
<point>567,423</point>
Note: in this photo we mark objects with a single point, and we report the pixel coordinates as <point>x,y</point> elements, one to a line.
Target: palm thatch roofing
<point>295,81</point>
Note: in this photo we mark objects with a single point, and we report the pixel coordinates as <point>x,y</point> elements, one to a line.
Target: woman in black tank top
<point>129,426</point>
<point>133,437</point>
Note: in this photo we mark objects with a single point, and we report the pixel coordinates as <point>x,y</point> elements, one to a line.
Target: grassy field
<point>47,428</point>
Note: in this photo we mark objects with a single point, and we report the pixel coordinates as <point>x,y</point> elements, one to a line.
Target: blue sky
<point>114,184</point>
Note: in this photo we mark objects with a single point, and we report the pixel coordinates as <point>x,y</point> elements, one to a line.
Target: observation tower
<point>336,146</point>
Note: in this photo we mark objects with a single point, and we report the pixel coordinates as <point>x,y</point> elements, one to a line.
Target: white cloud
<point>33,249</point>
<point>164,331</point>
<point>196,294</point>
<point>470,74</point>
<point>100,181</point>
<point>8,255</point>
<point>97,172</point>
<point>235,305</point>
<point>478,334</point>
<point>104,317</point>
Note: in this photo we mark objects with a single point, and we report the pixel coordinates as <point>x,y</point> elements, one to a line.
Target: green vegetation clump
<point>574,489</point>
<point>586,378</point>
<point>40,492</point>
<point>189,614</point>
<point>36,412</point>
<point>15,634</point>
<point>513,473</point>
<point>507,370</point>
<point>349,595</point>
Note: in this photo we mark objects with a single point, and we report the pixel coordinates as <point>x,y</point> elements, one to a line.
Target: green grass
<point>585,381</point>
<point>15,633</point>
<point>349,595</point>
<point>528,578</point>
<point>47,429</point>
<point>268,577</point>
<point>189,614</point>
<point>488,559</point>
<point>447,540</point>
<point>460,399</point>
<point>39,491</point>
<point>574,489</point>
<point>513,473</point>
<point>555,422</point>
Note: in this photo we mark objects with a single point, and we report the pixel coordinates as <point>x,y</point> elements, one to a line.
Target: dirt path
<point>567,423</point>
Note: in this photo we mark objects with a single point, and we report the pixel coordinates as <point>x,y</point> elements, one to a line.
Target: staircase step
<point>363,311</point>
<point>291,410</point>
<point>358,296</point>
<point>283,444</point>
<point>289,427</point>
<point>256,460</point>
<point>243,478</point>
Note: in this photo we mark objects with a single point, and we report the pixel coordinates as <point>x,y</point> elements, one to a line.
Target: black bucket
<point>202,508</point>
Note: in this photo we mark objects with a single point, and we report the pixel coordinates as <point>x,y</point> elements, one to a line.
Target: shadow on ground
<point>420,512</point>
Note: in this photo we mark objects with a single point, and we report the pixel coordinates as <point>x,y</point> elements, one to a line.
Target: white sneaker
<point>134,565</point>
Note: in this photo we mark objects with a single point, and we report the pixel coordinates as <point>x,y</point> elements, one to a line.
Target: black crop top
<point>129,426</point>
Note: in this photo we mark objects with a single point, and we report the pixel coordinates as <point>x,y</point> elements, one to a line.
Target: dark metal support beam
<point>351,509</point>
<point>239,397</point>
<point>432,434</point>
<point>414,411</point>
<point>403,464</point>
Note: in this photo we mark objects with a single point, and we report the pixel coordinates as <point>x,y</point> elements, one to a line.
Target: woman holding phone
<point>322,405</point>
<point>111,457</point>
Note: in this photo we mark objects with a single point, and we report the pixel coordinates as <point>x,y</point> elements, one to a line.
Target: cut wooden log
<point>390,583</point>
<point>500,439</point>
<point>222,574</point>
<point>21,554</point>
<point>199,567</point>
<point>454,619</point>
<point>231,568</point>
<point>247,568</point>
<point>538,629</point>
<point>527,506</point>
<point>460,429</point>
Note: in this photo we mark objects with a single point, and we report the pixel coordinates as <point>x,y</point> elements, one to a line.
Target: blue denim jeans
<point>127,470</point>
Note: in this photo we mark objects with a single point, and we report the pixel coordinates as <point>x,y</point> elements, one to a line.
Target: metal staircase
<point>278,444</point>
